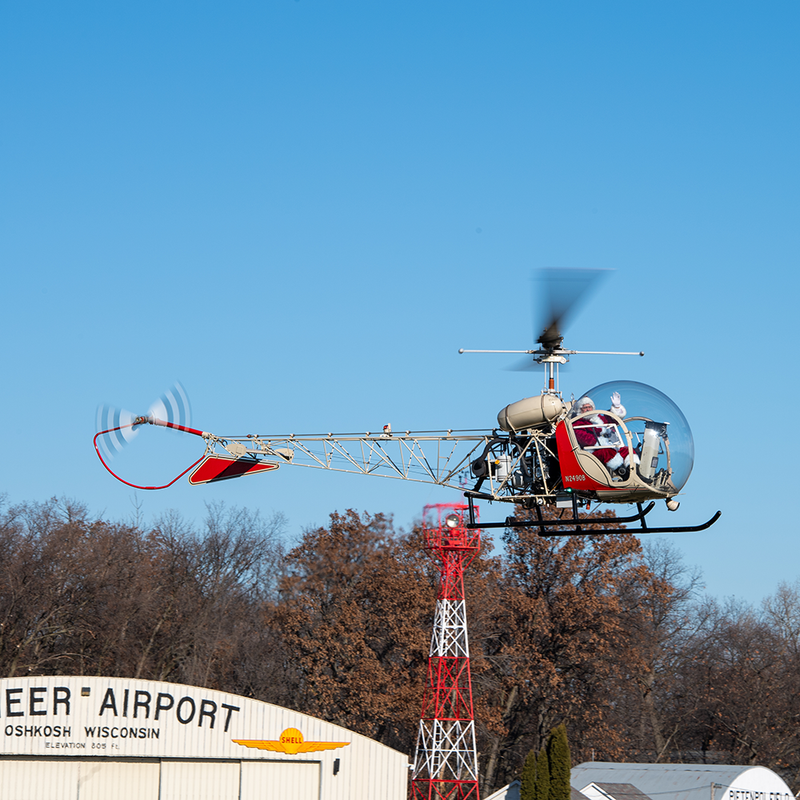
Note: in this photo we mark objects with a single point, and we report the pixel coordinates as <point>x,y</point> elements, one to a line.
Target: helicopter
<point>544,453</point>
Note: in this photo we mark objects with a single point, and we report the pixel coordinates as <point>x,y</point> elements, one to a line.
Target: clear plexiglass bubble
<point>642,403</point>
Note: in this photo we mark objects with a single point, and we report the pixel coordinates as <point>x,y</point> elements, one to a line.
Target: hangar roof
<point>677,781</point>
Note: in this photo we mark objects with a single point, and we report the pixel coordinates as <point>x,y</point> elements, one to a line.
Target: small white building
<point>510,792</point>
<point>78,738</point>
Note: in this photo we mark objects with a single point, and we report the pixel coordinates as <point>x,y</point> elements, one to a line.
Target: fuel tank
<point>531,412</point>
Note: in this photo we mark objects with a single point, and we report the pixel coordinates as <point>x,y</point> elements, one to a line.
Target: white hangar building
<point>78,738</point>
<point>599,780</point>
<point>602,780</point>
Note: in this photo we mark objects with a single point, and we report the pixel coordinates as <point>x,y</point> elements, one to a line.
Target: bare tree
<point>560,633</point>
<point>355,607</point>
<point>85,596</point>
<point>659,616</point>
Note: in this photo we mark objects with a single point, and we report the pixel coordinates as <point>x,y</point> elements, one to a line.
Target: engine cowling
<point>531,412</point>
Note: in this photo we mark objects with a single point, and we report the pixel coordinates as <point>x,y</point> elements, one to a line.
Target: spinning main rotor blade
<point>562,292</point>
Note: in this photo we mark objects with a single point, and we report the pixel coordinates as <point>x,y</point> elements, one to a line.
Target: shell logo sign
<point>291,742</point>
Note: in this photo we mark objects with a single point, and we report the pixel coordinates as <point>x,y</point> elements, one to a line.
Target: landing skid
<point>578,524</point>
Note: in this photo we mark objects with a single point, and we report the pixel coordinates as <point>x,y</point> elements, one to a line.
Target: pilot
<point>598,434</point>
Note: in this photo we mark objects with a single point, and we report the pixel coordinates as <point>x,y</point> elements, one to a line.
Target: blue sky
<point>301,210</point>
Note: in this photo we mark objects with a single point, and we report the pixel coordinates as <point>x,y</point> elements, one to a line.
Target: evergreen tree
<point>559,762</point>
<point>542,776</point>
<point>527,789</point>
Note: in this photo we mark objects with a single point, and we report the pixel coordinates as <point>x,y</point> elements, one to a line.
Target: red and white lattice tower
<point>446,762</point>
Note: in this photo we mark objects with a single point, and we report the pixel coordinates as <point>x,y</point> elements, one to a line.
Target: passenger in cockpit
<point>597,433</point>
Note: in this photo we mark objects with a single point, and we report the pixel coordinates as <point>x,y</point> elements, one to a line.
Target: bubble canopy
<point>643,401</point>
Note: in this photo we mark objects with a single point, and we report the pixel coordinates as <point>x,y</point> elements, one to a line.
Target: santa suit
<point>598,434</point>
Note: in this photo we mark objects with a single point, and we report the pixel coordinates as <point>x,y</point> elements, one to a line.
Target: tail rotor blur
<point>121,425</point>
<point>173,406</point>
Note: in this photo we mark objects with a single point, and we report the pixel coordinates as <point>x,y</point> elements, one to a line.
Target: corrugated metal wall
<point>276,781</point>
<point>78,779</point>
<point>205,780</point>
<point>55,779</point>
<point>109,779</point>
<point>101,780</point>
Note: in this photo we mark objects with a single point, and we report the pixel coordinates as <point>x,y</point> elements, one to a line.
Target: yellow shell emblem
<point>291,742</point>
